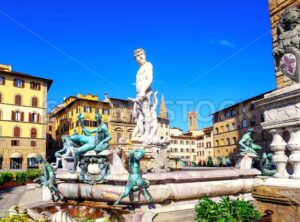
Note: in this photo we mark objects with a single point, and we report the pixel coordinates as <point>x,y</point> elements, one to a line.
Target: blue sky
<point>206,54</point>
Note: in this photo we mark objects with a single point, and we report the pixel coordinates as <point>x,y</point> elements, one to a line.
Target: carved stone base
<point>245,161</point>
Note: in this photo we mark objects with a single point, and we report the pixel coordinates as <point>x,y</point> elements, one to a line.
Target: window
<point>17,132</point>
<point>2,80</point>
<point>33,143</point>
<point>228,141</point>
<point>193,150</point>
<point>19,83</point>
<point>105,111</point>
<point>33,133</point>
<point>18,100</point>
<point>15,143</point>
<point>15,163</point>
<point>181,142</point>
<point>181,150</point>
<point>50,128</point>
<point>234,140</point>
<point>187,142</point>
<point>222,142</point>
<point>0,114</point>
<point>217,130</point>
<point>233,126</point>
<point>17,116</point>
<point>32,163</point>
<point>244,123</point>
<point>208,144</point>
<point>208,135</point>
<point>34,117</point>
<point>34,102</point>
<point>217,143</point>
<point>0,98</point>
<point>35,86</point>
<point>227,114</point>
<point>87,109</point>
<point>216,118</point>
<point>227,128</point>
<point>222,129</point>
<point>252,106</point>
<point>233,113</point>
<point>243,109</point>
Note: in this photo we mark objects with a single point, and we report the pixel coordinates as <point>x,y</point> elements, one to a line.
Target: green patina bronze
<point>247,144</point>
<point>135,181</point>
<point>99,142</point>
<point>268,168</point>
<point>48,179</point>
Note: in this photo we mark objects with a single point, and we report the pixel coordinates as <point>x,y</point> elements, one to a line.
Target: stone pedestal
<point>245,161</point>
<point>282,115</point>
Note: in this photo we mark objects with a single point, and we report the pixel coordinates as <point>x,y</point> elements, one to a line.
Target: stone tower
<point>163,109</point>
<point>193,121</point>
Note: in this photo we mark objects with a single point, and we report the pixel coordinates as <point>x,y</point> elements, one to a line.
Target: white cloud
<point>222,42</point>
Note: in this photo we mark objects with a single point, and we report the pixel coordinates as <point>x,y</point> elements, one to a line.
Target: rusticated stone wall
<point>276,8</point>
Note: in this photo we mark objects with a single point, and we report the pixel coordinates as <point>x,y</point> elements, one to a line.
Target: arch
<point>222,142</point>
<point>18,100</point>
<point>222,129</point>
<point>17,131</point>
<point>16,155</point>
<point>33,133</point>
<point>34,101</point>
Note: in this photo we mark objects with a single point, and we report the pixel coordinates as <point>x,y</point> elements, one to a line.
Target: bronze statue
<point>135,181</point>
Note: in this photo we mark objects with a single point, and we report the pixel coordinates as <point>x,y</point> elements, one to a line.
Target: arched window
<point>34,102</point>
<point>33,133</point>
<point>18,100</point>
<point>222,142</point>
<point>222,129</point>
<point>217,130</point>
<point>17,132</point>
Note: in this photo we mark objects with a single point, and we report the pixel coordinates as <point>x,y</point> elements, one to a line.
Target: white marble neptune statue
<point>145,103</point>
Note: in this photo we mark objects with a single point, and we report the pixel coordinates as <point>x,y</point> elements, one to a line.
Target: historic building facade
<point>230,124</point>
<point>65,115</point>
<point>183,145</point>
<point>205,147</point>
<point>23,104</point>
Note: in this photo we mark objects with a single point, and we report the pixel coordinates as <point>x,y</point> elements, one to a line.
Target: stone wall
<point>276,8</point>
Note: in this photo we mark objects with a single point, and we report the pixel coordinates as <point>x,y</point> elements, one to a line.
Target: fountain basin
<point>165,187</point>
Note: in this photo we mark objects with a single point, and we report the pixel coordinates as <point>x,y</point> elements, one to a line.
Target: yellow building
<point>230,124</point>
<point>66,114</point>
<point>23,104</point>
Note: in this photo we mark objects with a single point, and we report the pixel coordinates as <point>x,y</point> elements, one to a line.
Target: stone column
<point>278,145</point>
<point>294,147</point>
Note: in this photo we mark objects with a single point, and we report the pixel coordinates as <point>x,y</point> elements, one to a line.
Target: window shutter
<point>3,81</point>
<point>23,83</point>
<point>31,85</point>
<point>15,82</point>
<point>22,116</point>
<point>29,117</point>
<point>12,115</point>
<point>38,118</point>
<point>39,86</point>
